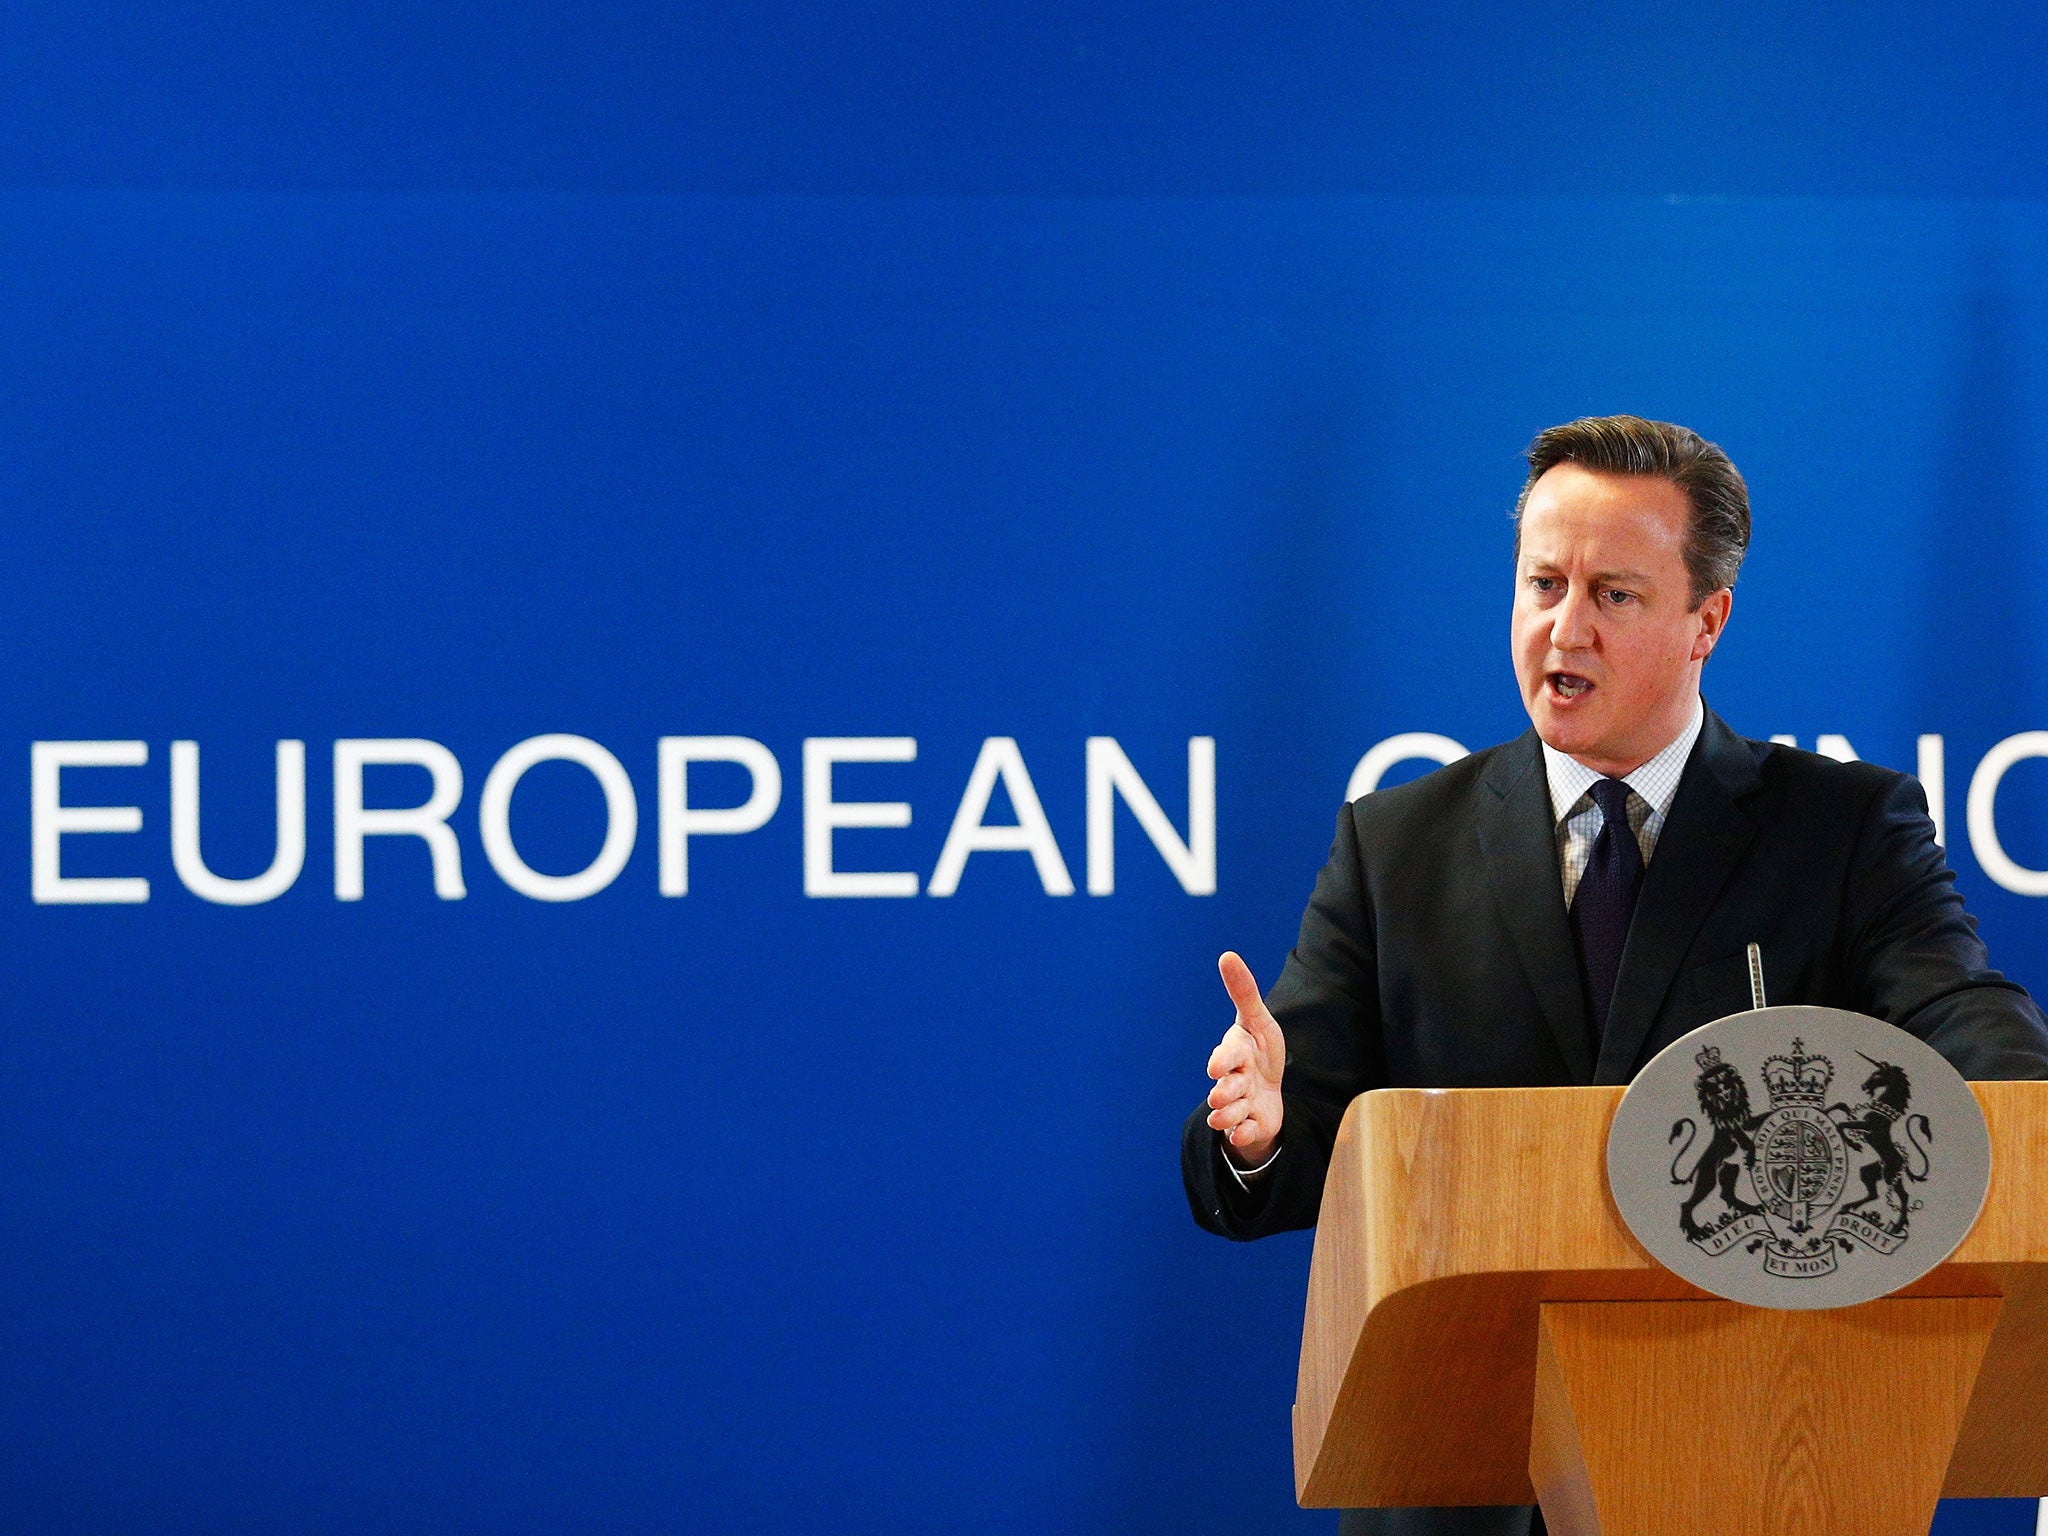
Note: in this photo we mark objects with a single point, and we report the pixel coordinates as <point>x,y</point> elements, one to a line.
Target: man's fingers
<point>1233,1053</point>
<point>1230,1115</point>
<point>1234,1086</point>
<point>1248,1060</point>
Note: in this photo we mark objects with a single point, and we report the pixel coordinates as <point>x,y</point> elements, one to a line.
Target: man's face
<point>1607,647</point>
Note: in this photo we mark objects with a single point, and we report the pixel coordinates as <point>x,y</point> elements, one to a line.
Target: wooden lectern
<point>1483,1329</point>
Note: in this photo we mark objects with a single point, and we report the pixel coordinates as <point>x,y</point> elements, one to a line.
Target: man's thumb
<point>1244,991</point>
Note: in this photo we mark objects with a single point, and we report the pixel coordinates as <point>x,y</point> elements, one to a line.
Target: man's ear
<point>1713,614</point>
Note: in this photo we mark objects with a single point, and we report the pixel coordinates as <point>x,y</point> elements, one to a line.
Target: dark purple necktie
<point>1606,898</point>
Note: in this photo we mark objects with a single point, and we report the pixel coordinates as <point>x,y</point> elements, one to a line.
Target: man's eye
<point>1620,597</point>
<point>1543,583</point>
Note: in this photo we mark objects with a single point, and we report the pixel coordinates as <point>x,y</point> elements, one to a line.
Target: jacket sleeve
<point>1327,1005</point>
<point>1914,958</point>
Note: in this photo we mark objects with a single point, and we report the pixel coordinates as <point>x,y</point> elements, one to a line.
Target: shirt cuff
<point>1244,1176</point>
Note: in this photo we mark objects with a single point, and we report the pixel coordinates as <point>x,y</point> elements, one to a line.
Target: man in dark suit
<point>1558,909</point>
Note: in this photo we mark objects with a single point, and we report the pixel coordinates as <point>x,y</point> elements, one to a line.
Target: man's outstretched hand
<point>1245,1103</point>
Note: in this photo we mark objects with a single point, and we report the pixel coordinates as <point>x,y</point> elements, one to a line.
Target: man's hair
<point>1718,534</point>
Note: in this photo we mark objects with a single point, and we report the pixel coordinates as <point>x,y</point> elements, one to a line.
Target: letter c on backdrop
<point>622,818</point>
<point>1372,767</point>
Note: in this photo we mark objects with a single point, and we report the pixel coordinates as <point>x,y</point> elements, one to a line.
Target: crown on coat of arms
<point>1798,1078</point>
<point>1708,1058</point>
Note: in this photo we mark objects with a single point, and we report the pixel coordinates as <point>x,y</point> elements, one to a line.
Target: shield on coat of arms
<point>1801,1163</point>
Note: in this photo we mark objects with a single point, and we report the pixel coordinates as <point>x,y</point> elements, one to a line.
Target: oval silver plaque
<point>1799,1157</point>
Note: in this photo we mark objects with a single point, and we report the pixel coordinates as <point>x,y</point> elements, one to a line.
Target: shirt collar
<point>1656,781</point>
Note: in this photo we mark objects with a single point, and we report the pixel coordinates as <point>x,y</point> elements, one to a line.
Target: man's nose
<point>1572,622</point>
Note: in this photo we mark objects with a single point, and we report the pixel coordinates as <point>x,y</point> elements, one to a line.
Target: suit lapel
<point>1518,837</point>
<point>1704,836</point>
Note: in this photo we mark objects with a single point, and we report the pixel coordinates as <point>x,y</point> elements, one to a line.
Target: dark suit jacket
<point>1436,951</point>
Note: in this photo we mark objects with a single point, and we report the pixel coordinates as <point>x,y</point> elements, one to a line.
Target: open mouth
<point>1569,685</point>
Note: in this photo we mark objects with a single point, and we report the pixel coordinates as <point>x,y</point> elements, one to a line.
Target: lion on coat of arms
<point>1724,1099</point>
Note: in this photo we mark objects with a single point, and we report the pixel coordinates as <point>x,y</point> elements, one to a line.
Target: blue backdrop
<point>636,377</point>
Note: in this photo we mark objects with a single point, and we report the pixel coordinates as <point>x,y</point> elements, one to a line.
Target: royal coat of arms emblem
<point>1795,1183</point>
<point>1779,1178</point>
